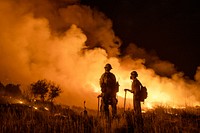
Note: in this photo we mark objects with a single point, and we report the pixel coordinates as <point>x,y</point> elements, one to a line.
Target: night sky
<point>168,27</point>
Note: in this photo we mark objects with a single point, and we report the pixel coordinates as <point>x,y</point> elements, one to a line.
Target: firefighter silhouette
<point>109,88</point>
<point>135,89</point>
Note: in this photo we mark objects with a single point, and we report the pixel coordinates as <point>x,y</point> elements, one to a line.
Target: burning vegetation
<point>64,119</point>
<point>69,43</point>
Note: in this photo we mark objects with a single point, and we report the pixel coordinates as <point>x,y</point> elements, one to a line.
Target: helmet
<point>134,73</point>
<point>108,66</point>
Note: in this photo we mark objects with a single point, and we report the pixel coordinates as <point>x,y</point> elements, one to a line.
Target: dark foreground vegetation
<point>34,111</point>
<point>22,118</point>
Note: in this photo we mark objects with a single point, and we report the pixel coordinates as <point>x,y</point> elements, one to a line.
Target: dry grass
<point>21,118</point>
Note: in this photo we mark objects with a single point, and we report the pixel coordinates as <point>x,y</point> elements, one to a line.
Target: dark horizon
<point>168,28</point>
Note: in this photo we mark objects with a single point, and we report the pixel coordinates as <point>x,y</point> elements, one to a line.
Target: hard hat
<point>108,66</point>
<point>134,73</point>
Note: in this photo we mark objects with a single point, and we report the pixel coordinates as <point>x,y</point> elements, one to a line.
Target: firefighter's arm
<point>140,84</point>
<point>102,84</point>
<point>101,81</point>
<point>101,95</point>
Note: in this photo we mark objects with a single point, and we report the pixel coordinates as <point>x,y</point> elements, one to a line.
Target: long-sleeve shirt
<point>108,82</point>
<point>136,86</point>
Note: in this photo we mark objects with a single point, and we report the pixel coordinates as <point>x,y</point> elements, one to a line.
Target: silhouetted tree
<point>54,91</point>
<point>40,88</point>
<point>27,93</point>
<point>2,89</point>
<point>13,90</point>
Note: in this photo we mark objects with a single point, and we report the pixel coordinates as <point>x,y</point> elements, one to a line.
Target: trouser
<point>137,107</point>
<point>138,116</point>
<point>106,101</point>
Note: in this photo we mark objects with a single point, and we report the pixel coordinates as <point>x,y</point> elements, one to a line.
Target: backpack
<point>143,93</point>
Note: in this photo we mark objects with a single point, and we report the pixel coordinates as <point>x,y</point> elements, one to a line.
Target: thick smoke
<point>163,68</point>
<point>69,44</point>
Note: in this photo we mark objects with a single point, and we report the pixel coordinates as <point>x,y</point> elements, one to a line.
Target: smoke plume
<point>69,44</point>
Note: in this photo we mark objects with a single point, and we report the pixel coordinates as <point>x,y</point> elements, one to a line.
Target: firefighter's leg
<point>114,106</point>
<point>101,106</point>
<point>106,106</point>
<point>137,107</point>
<point>106,109</point>
<point>138,116</point>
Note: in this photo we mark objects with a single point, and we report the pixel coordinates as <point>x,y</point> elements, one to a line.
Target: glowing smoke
<point>69,44</point>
